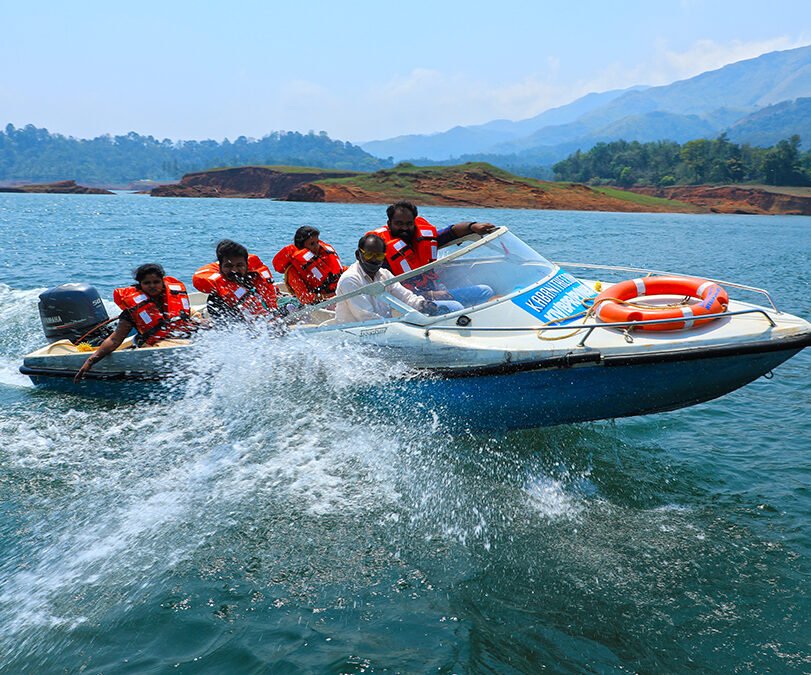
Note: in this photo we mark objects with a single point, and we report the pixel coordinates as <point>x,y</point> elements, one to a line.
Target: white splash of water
<point>553,498</point>
<point>136,488</point>
<point>20,332</point>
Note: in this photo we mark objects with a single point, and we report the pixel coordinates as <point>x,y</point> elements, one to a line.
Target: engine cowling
<point>70,310</point>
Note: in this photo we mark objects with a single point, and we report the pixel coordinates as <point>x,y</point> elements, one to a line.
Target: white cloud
<point>706,55</point>
<point>418,82</point>
<point>425,100</point>
<point>667,65</point>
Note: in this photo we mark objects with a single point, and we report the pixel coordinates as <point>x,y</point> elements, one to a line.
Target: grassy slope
<point>398,183</point>
<point>778,189</point>
<point>643,200</point>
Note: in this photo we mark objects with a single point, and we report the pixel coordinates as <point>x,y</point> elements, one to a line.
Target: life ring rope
<point>614,304</point>
<point>620,299</point>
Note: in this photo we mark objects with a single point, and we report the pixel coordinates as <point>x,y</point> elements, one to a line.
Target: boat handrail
<point>590,327</point>
<point>641,270</point>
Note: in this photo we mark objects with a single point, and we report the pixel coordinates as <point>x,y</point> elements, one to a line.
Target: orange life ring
<point>713,300</point>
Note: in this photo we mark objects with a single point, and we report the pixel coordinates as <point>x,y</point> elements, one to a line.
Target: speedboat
<point>540,351</point>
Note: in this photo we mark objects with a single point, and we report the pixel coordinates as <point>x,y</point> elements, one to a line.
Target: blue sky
<point>357,70</point>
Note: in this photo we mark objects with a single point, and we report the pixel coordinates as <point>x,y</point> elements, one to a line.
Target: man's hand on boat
<point>437,294</point>
<point>432,309</point>
<point>87,365</point>
<point>472,227</point>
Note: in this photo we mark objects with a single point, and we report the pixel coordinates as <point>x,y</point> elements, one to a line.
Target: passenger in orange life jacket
<point>157,306</point>
<point>239,286</point>
<point>310,266</point>
<point>411,242</point>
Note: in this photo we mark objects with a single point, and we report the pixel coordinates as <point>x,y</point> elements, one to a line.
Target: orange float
<point>612,305</point>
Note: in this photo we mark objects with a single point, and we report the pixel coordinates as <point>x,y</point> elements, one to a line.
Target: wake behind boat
<point>543,350</point>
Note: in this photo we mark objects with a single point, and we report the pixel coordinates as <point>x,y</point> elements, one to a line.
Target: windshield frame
<point>378,288</point>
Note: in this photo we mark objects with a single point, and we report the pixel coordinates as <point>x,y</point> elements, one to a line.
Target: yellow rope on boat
<point>591,310</point>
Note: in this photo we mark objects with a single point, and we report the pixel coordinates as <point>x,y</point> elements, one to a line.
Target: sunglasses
<point>372,257</point>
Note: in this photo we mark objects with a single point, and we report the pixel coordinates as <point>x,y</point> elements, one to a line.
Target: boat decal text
<point>560,297</point>
<point>372,331</point>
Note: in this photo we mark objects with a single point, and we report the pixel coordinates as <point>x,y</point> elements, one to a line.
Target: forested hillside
<point>35,155</point>
<point>665,163</point>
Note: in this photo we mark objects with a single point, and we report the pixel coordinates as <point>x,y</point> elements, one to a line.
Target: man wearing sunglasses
<point>367,268</point>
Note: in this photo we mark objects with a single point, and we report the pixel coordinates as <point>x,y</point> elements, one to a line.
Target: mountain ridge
<point>707,104</point>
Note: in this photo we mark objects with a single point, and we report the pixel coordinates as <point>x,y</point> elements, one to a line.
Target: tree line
<point>36,155</point>
<point>663,163</point>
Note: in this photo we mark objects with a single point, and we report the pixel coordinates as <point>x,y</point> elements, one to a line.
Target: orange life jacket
<point>258,301</point>
<point>152,324</point>
<point>281,261</point>
<point>403,257</point>
<point>308,275</point>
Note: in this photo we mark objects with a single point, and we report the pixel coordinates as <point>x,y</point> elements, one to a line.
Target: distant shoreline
<point>475,184</point>
<point>481,185</point>
<point>65,187</point>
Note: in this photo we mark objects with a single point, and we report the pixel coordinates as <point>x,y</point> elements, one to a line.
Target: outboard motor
<point>69,311</point>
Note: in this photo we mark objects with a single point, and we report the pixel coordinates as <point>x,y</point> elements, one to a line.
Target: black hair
<point>227,248</point>
<point>406,206</point>
<point>366,237</point>
<point>142,271</point>
<point>303,234</point>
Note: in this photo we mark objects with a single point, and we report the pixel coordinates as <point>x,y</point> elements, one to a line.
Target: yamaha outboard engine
<point>69,311</point>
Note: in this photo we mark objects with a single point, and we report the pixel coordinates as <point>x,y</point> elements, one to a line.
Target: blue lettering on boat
<point>711,297</point>
<point>558,298</point>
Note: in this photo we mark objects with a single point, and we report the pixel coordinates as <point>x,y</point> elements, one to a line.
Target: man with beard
<point>239,285</point>
<point>412,242</point>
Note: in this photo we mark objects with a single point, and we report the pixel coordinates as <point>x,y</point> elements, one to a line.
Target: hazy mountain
<point>658,125</point>
<point>702,106</point>
<point>745,85</point>
<point>775,123</point>
<point>480,137</point>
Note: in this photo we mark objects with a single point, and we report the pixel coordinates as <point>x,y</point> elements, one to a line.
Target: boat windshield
<point>468,273</point>
<point>505,264</point>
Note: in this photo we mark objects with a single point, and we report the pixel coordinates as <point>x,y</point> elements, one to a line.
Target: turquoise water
<point>263,523</point>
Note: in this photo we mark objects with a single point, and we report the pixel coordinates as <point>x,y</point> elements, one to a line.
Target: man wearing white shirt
<point>367,269</point>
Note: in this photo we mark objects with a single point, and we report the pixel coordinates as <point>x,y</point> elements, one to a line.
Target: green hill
<point>35,155</point>
<point>772,124</point>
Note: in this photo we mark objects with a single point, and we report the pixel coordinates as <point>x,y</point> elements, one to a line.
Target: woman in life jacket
<point>239,286</point>
<point>311,267</point>
<point>157,306</point>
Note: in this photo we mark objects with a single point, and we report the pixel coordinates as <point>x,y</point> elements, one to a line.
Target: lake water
<point>264,523</point>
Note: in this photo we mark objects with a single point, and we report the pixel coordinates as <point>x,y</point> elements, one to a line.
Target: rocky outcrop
<point>736,199</point>
<point>309,192</point>
<point>254,182</point>
<point>67,187</point>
